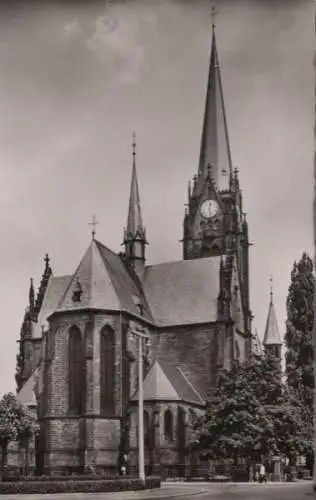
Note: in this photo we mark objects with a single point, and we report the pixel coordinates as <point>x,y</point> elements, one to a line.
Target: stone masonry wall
<point>164,452</point>
<point>99,436</point>
<point>200,347</point>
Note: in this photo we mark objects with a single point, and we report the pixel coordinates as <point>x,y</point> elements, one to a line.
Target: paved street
<point>196,491</point>
<point>288,491</point>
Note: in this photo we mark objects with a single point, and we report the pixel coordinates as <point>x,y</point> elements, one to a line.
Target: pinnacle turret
<point>31,299</point>
<point>43,285</point>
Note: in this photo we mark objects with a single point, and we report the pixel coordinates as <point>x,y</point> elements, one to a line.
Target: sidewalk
<point>164,492</point>
<point>218,483</point>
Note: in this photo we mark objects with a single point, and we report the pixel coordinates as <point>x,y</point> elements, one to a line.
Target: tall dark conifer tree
<point>298,337</point>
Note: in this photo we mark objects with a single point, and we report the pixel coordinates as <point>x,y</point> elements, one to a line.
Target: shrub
<point>75,486</point>
<point>72,477</point>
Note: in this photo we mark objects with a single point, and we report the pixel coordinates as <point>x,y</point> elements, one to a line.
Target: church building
<point>78,360</point>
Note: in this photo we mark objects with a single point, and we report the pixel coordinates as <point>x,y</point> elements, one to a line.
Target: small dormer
<point>77,291</point>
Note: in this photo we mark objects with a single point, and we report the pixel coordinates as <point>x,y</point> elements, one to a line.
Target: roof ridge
<point>98,243</point>
<point>58,277</point>
<point>189,383</point>
<point>168,378</point>
<point>183,261</point>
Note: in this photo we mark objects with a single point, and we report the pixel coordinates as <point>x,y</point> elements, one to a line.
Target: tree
<point>252,415</point>
<point>27,427</point>
<point>8,427</point>
<point>16,423</point>
<point>298,337</point>
<point>235,423</point>
<point>292,437</point>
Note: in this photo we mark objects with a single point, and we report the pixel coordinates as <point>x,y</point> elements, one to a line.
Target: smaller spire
<point>134,218</point>
<point>134,234</point>
<point>271,334</point>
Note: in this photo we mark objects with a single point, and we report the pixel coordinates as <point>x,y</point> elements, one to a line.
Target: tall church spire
<point>215,148</point>
<point>134,234</point>
<point>272,340</point>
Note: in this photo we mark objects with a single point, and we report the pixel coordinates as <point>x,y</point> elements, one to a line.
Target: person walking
<point>262,473</point>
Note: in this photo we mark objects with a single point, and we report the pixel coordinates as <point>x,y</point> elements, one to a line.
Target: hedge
<point>69,477</point>
<point>68,485</point>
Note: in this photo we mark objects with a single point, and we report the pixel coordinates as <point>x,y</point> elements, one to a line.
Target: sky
<point>77,78</point>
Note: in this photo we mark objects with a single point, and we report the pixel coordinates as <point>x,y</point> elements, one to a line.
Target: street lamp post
<point>140,335</point>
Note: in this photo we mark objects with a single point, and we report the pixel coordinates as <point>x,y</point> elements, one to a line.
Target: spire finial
<point>213,15</point>
<point>134,147</point>
<point>93,223</point>
<point>46,260</point>
<point>271,288</point>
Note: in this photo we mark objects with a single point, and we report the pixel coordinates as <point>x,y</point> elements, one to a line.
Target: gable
<point>157,386</point>
<point>165,382</point>
<point>26,395</point>
<point>105,283</point>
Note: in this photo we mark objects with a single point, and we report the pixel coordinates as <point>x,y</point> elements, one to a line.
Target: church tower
<point>272,341</point>
<point>135,234</point>
<point>214,222</point>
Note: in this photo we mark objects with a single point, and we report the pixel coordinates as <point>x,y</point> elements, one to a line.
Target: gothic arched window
<point>107,371</point>
<point>168,425</point>
<point>76,371</point>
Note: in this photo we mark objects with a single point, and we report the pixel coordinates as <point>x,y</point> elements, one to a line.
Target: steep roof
<point>271,333</point>
<point>106,283</point>
<point>183,292</point>
<point>54,291</point>
<point>26,395</point>
<point>256,345</point>
<point>165,382</point>
<point>215,148</point>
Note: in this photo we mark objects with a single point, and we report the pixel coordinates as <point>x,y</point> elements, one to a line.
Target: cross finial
<point>94,223</point>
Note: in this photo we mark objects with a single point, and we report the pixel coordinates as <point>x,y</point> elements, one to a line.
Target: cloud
<point>72,28</point>
<point>115,41</point>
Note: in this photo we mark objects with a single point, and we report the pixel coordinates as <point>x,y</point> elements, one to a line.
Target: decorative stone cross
<point>94,223</point>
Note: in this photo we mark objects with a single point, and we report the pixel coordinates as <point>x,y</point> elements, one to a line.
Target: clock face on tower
<point>209,209</point>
